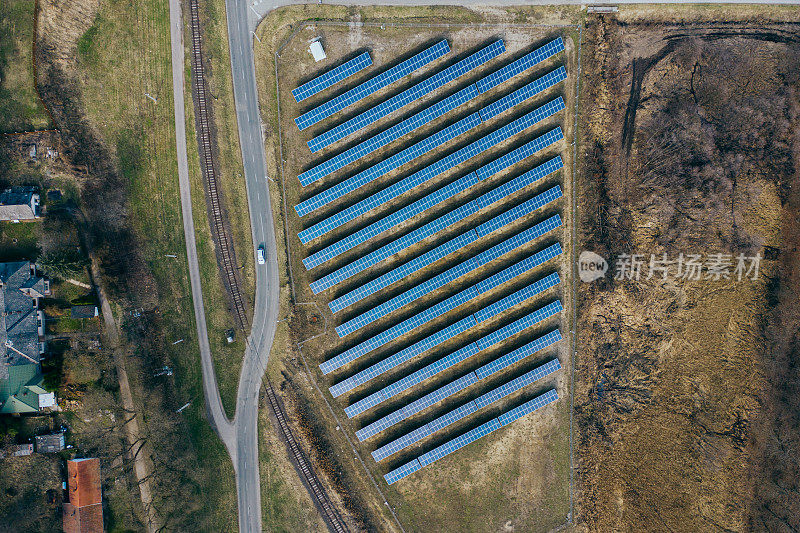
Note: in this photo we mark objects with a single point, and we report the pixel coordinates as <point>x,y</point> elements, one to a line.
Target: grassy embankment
<point>20,107</point>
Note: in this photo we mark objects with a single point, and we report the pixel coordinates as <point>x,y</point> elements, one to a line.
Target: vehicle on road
<point>260,254</point>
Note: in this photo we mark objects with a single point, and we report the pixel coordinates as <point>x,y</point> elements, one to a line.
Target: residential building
<point>21,339</point>
<point>18,204</point>
<point>52,443</point>
<point>83,508</point>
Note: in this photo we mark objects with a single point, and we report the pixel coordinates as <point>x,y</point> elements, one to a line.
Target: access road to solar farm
<point>526,88</point>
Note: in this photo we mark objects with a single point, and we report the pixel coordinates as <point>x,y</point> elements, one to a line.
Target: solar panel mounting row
<point>448,247</point>
<point>436,310</point>
<point>439,394</point>
<point>453,416</point>
<point>404,98</point>
<point>436,197</point>
<point>405,355</point>
<point>332,77</point>
<point>436,282</point>
<point>419,376</point>
<point>523,63</point>
<point>373,84</point>
<point>470,436</point>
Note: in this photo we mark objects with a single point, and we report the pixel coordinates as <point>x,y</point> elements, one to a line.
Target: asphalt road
<point>240,435</point>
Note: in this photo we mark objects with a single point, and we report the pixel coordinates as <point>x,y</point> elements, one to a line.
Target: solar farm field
<point>428,217</point>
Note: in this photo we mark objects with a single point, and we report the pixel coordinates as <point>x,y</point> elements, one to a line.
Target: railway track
<point>333,519</point>
<point>218,229</point>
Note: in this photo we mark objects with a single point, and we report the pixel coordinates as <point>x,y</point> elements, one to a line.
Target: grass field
<point>123,52</point>
<point>20,107</point>
<point>529,493</point>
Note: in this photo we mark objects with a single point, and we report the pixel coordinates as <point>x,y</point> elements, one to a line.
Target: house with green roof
<point>21,334</point>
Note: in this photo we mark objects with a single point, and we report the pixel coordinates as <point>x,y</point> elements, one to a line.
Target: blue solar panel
<point>511,243</point>
<point>375,342</point>
<point>520,65</point>
<point>425,288</point>
<point>515,213</point>
<point>387,136</point>
<point>390,222</point>
<point>431,171</point>
<point>527,407</point>
<point>518,297</point>
<point>393,247</point>
<point>459,442</point>
<point>470,436</point>
<point>380,81</point>
<point>402,356</point>
<point>411,94</point>
<point>519,354</point>
<point>465,410</point>
<point>401,472</point>
<point>526,150</point>
<point>519,325</point>
<point>404,270</point>
<point>517,384</point>
<point>387,165</point>
<point>405,383</point>
<point>520,182</point>
<point>523,93</point>
<point>332,77</point>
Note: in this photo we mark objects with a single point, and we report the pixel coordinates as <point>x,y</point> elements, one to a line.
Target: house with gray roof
<point>18,204</point>
<point>21,334</point>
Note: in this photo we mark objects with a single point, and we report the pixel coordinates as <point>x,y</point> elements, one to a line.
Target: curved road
<point>240,434</point>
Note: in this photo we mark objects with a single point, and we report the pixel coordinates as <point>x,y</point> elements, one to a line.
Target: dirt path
<point>133,434</point>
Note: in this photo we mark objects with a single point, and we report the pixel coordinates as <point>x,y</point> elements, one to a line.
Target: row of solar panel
<point>453,416</point>
<point>450,246</point>
<point>332,77</point>
<point>403,356</point>
<point>442,307</point>
<point>468,351</point>
<point>431,369</point>
<point>413,237</point>
<point>423,117</point>
<point>445,193</point>
<point>407,96</point>
<point>421,176</point>
<point>435,283</point>
<point>470,436</point>
<point>512,69</point>
<point>376,83</point>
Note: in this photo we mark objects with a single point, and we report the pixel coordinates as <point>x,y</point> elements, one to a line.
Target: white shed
<point>316,50</point>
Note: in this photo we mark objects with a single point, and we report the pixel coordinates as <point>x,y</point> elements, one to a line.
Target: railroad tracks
<point>317,492</point>
<point>219,230</point>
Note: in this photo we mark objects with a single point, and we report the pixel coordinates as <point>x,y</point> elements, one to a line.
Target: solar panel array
<point>470,436</point>
<point>332,77</point>
<point>439,309</point>
<point>417,377</point>
<point>384,79</point>
<point>472,406</point>
<point>520,65</point>
<point>463,197</point>
<point>398,101</point>
<point>450,275</point>
<point>403,356</point>
<point>456,386</point>
<point>443,194</point>
<point>457,243</point>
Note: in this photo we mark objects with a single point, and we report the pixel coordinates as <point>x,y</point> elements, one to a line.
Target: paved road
<point>240,435</point>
